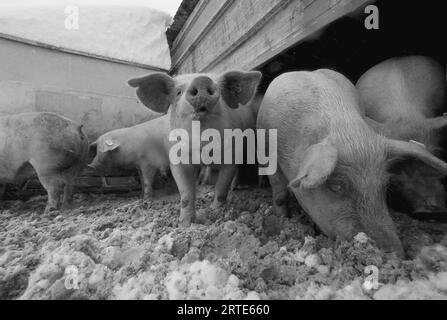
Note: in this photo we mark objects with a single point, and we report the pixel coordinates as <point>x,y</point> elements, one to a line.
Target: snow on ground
<point>120,247</point>
<point>135,34</point>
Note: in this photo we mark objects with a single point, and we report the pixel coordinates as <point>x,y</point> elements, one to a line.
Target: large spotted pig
<point>144,147</point>
<point>402,97</point>
<point>53,147</point>
<point>332,160</point>
<point>211,99</point>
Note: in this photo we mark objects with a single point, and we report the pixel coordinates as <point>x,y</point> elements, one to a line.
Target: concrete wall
<point>91,91</point>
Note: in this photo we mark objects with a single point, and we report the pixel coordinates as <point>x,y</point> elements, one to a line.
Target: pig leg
<point>148,174</point>
<point>202,175</point>
<point>262,181</point>
<point>235,181</point>
<point>207,176</point>
<point>280,193</point>
<point>185,178</point>
<point>54,186</point>
<point>224,181</point>
<point>67,202</point>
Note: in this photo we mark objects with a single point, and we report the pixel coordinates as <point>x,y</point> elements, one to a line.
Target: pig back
<point>303,107</point>
<point>149,140</point>
<point>407,86</point>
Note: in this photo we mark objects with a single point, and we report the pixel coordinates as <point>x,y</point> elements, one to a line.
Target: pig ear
<point>239,87</point>
<point>108,145</point>
<point>416,150</point>
<point>438,123</point>
<point>318,164</point>
<point>156,91</point>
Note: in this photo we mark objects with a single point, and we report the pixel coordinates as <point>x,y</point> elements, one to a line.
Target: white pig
<point>332,160</point>
<point>212,100</point>
<point>144,147</point>
<point>402,97</point>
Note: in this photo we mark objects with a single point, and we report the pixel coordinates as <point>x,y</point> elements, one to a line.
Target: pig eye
<point>179,92</point>
<point>337,187</point>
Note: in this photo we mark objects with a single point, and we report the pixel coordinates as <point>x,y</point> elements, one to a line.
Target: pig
<point>53,147</point>
<point>214,101</point>
<point>144,147</point>
<point>333,162</point>
<point>402,97</point>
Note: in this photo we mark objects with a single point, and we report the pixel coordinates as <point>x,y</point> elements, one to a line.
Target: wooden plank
<point>218,28</point>
<point>246,34</point>
<point>250,33</point>
<point>207,15</point>
<point>309,27</point>
<point>192,20</point>
<point>233,28</point>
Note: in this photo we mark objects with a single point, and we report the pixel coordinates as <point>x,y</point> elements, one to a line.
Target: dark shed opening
<point>405,28</point>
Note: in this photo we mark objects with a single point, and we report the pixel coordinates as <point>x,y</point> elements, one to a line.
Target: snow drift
<point>134,34</point>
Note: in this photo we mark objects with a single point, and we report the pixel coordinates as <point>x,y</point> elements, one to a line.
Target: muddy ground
<point>119,247</point>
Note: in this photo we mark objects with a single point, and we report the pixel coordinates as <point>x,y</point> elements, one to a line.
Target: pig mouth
<point>200,113</point>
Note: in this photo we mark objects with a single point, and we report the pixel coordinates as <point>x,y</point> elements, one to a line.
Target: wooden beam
<point>190,22</point>
<point>258,26</point>
<point>213,20</point>
<point>339,10</point>
<point>247,34</point>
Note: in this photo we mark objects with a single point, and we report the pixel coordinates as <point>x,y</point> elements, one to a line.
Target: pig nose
<point>388,241</point>
<point>203,94</point>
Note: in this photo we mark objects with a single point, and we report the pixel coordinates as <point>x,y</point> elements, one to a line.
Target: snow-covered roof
<point>131,34</point>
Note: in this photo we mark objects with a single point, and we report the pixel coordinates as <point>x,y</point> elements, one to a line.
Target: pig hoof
<point>217,204</point>
<point>184,224</point>
<point>51,212</point>
<point>148,199</point>
<point>186,219</point>
<point>282,211</point>
<point>69,206</point>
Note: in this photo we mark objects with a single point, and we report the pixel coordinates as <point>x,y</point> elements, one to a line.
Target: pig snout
<point>203,94</point>
<point>380,227</point>
<point>388,240</point>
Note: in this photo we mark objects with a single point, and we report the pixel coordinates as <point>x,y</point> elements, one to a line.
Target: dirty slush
<point>125,248</point>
